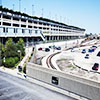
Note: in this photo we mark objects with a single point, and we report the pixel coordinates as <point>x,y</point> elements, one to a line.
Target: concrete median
<point>76,84</point>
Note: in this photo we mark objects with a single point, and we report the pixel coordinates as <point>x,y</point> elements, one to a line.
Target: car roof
<point>96,64</point>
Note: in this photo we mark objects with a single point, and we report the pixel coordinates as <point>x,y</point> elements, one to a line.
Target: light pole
<point>13,6</point>
<point>19,5</point>
<point>33,12</point>
<point>0,2</point>
<point>42,12</point>
<point>4,59</point>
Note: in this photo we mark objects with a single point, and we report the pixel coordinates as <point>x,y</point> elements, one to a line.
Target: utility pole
<point>56,17</point>
<point>24,10</point>
<point>60,18</point>
<point>13,6</point>
<point>0,2</point>
<point>42,12</point>
<point>50,15</point>
<point>19,5</point>
<point>33,13</point>
<point>64,19</point>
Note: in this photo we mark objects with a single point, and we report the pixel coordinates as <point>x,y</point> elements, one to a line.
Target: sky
<point>81,13</point>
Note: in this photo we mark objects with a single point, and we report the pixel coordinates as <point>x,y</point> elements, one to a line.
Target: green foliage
<point>1,50</point>
<point>10,52</point>
<point>16,59</point>
<point>9,62</point>
<point>20,46</point>
<point>10,48</point>
<point>24,69</point>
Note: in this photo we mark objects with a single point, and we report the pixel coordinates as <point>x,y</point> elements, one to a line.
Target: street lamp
<point>4,59</point>
<point>20,54</point>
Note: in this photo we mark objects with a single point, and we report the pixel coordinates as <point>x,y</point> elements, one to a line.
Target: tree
<point>1,50</point>
<point>10,49</point>
<point>20,46</point>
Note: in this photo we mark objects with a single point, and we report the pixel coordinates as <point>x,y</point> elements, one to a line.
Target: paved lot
<point>13,88</point>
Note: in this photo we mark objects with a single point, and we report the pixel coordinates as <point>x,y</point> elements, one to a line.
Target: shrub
<point>9,62</point>
<point>16,59</point>
<point>1,62</point>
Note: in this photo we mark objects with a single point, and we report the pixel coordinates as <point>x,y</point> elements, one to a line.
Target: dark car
<point>40,48</point>
<point>58,48</point>
<point>87,56</point>
<point>83,51</point>
<point>95,66</point>
<point>94,46</point>
<point>91,50</point>
<point>47,49</point>
<point>50,46</point>
<point>98,54</point>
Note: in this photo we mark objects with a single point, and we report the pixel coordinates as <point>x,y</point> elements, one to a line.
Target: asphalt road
<point>14,88</point>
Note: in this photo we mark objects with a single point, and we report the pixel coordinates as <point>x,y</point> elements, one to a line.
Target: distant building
<point>15,24</point>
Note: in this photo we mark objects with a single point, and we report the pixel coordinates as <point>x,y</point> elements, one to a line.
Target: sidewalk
<point>28,51</point>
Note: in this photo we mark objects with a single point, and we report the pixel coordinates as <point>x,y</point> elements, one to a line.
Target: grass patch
<point>70,66</point>
<point>63,60</point>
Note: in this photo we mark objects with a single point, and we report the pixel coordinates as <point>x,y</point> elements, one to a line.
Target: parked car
<point>87,56</point>
<point>40,48</point>
<point>50,46</point>
<point>98,54</point>
<point>91,50</point>
<point>83,51</point>
<point>72,50</point>
<point>47,49</point>
<point>95,66</point>
<point>58,48</point>
<point>94,46</point>
<point>54,47</point>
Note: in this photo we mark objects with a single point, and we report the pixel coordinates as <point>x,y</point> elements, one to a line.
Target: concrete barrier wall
<point>75,84</point>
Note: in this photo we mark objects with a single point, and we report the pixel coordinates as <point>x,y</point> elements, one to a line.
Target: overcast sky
<point>81,13</point>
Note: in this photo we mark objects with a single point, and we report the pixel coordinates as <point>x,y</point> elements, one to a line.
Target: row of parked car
<point>50,47</point>
<point>90,50</point>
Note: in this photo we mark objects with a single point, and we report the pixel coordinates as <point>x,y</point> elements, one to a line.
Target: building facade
<point>15,24</point>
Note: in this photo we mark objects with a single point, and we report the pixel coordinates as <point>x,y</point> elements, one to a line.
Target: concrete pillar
<point>57,37</point>
<point>49,38</point>
<point>46,38</point>
<point>26,23</point>
<point>11,21</point>
<point>19,22</point>
<point>1,20</point>
<point>32,41</point>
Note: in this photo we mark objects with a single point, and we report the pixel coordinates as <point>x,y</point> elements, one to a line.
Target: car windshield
<point>96,64</point>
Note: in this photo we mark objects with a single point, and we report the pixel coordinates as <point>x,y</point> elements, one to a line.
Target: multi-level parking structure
<point>16,24</point>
